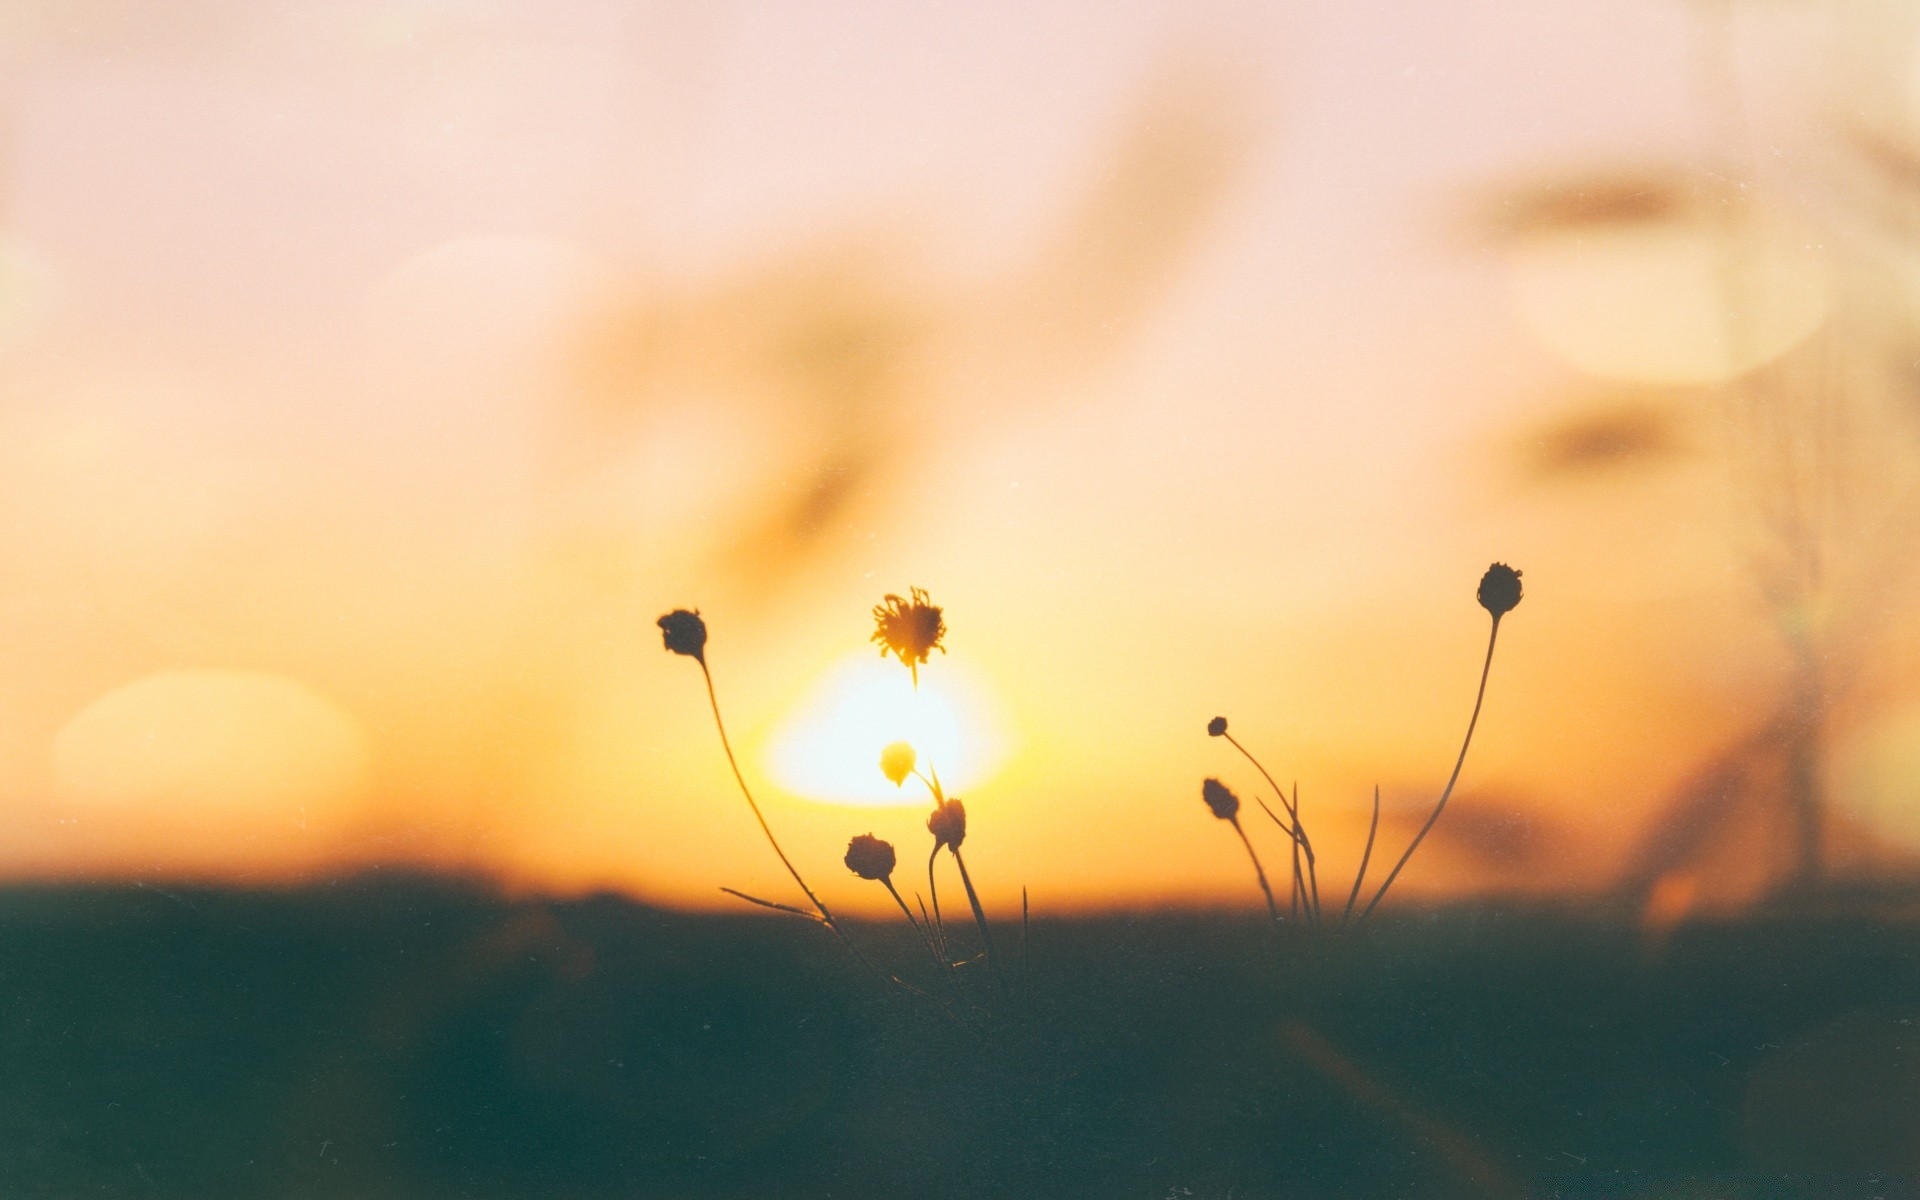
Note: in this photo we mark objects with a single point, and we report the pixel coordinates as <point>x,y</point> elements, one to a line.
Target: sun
<point>829,748</point>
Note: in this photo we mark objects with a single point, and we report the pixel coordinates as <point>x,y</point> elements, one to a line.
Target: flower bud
<point>948,825</point>
<point>1217,727</point>
<point>685,633</point>
<point>1500,590</point>
<point>869,857</point>
<point>897,762</point>
<point>1220,799</point>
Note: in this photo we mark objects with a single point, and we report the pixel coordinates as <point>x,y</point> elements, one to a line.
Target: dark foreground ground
<point>400,1038</point>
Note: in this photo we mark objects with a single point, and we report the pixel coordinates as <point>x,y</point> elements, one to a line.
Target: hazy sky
<point>375,373</point>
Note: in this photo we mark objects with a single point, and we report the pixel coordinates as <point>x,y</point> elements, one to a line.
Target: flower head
<point>1220,799</point>
<point>897,762</point>
<point>869,857</point>
<point>948,825</point>
<point>685,633</point>
<point>1217,727</point>
<point>1500,590</point>
<point>909,628</point>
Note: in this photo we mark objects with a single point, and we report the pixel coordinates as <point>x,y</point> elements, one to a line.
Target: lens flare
<point>199,750</point>
<point>1677,301</point>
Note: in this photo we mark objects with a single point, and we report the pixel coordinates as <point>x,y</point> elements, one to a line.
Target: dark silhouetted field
<point>398,1037</point>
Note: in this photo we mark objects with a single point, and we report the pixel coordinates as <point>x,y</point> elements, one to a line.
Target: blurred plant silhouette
<point>841,347</point>
<point>1817,427</point>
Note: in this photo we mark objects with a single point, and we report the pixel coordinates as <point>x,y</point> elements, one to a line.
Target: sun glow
<point>829,749</point>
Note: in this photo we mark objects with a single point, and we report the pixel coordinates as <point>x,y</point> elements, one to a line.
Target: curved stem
<point>924,941</point>
<point>933,890</point>
<point>905,911</point>
<point>1485,669</point>
<point>1026,958</point>
<point>1275,818</point>
<point>826,917</point>
<point>785,908</point>
<point>1313,870</point>
<point>1366,856</point>
<point>1301,841</point>
<point>1273,910</point>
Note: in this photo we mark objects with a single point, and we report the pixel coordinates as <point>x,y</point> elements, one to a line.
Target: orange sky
<point>375,373</point>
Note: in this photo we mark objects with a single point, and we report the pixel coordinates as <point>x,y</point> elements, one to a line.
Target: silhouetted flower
<point>1500,590</point>
<point>869,857</point>
<point>948,825</point>
<point>897,762</point>
<point>910,628</point>
<point>685,633</point>
<point>1220,799</point>
<point>1217,727</point>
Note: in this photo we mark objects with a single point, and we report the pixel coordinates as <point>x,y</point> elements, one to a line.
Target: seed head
<point>869,857</point>
<point>685,633</point>
<point>1217,727</point>
<point>910,628</point>
<point>897,762</point>
<point>948,825</point>
<point>1500,590</point>
<point>1220,799</point>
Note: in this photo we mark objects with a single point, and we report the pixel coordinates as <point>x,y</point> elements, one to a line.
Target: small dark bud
<point>869,857</point>
<point>1500,590</point>
<point>1220,799</point>
<point>1217,727</point>
<point>685,633</point>
<point>948,825</point>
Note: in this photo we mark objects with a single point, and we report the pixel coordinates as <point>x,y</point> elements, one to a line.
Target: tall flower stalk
<point>873,858</point>
<point>910,628</point>
<point>1499,594</point>
<point>685,633</point>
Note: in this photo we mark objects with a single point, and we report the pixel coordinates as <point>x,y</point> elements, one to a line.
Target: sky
<point>373,374</point>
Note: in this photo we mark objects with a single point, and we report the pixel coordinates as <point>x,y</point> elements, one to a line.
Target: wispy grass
<point>1498,593</point>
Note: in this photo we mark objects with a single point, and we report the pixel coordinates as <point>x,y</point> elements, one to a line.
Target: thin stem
<point>1294,837</point>
<point>1366,855</point>
<point>936,942</point>
<point>785,908</point>
<point>1302,843</point>
<point>1275,817</point>
<point>1273,910</point>
<point>1299,882</point>
<point>1293,897</point>
<point>904,910</point>
<point>924,940</point>
<point>726,745</point>
<point>1313,872</point>
<point>933,889</point>
<point>980,919</point>
<point>1485,669</point>
<point>1026,959</point>
<point>826,916</point>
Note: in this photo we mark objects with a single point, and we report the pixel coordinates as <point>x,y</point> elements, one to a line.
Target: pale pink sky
<point>410,358</point>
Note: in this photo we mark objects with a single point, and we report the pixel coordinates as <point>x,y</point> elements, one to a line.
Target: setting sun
<point>829,749</point>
